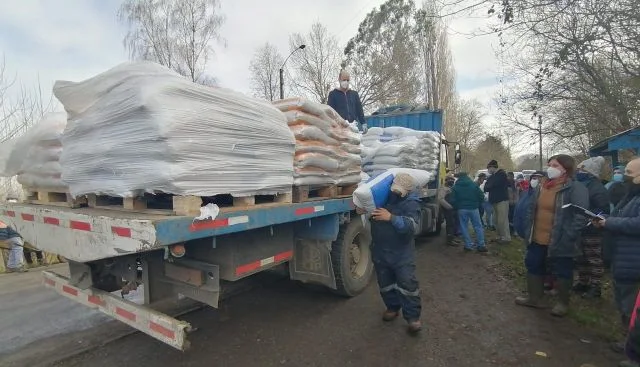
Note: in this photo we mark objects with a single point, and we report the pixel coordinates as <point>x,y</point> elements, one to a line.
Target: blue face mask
<point>618,177</point>
<point>583,176</point>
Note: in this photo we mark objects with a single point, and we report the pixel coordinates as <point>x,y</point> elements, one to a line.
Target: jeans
<point>471,215</point>
<point>501,219</point>
<point>536,261</point>
<point>16,247</point>
<point>399,287</point>
<point>488,210</point>
<point>451,221</point>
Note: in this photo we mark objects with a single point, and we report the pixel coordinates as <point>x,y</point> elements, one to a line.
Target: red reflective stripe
<point>305,211</point>
<point>27,217</point>
<point>243,269</point>
<point>52,221</point>
<point>209,224</point>
<point>121,231</point>
<point>49,282</point>
<point>162,330</point>
<point>126,314</point>
<point>95,300</point>
<point>71,291</point>
<point>10,213</point>
<point>82,226</point>
<point>283,256</point>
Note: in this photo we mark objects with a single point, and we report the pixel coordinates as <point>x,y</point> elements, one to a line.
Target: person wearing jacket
<point>526,198</point>
<point>346,101</point>
<point>591,265</point>
<point>497,185</point>
<point>552,233</point>
<point>623,229</point>
<point>467,198</point>
<point>393,251</point>
<point>16,248</point>
<point>450,216</point>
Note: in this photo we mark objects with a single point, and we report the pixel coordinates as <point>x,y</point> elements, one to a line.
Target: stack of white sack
<point>399,147</point>
<point>140,127</point>
<point>327,147</point>
<point>35,156</point>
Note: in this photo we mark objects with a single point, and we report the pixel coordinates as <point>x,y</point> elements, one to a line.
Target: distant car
<point>486,172</point>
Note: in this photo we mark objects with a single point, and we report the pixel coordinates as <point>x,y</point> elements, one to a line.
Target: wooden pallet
<point>42,197</point>
<point>311,193</point>
<point>182,205</point>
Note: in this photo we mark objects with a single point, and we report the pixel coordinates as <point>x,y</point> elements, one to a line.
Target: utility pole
<point>540,140</point>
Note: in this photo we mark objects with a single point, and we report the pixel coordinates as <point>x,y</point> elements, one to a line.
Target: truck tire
<point>351,258</point>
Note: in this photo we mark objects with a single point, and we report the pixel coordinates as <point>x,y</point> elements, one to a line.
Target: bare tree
<point>264,68</point>
<point>175,33</point>
<point>318,64</point>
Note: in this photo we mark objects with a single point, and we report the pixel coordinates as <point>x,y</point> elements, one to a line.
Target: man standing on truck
<point>16,248</point>
<point>346,101</point>
<point>393,250</point>
<point>497,186</point>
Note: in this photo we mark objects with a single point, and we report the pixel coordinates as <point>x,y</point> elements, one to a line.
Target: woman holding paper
<point>552,233</point>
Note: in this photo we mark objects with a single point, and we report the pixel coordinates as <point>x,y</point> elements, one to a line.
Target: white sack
<point>142,127</point>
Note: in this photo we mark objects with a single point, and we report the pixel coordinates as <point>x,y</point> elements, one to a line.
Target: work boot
<point>414,326</point>
<point>592,293</point>
<point>580,287</point>
<point>561,307</point>
<point>389,315</point>
<point>21,269</point>
<point>535,291</point>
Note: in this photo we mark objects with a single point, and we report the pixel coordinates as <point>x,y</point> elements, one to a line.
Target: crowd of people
<point>573,223</point>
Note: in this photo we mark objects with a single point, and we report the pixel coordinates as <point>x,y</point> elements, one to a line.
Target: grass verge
<point>600,316</point>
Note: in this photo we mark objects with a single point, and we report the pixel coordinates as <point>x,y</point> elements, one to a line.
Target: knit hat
<point>492,163</point>
<point>592,165</point>
<point>403,184</point>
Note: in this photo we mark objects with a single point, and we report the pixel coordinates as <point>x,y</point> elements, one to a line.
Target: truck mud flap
<point>158,325</point>
<point>312,263</point>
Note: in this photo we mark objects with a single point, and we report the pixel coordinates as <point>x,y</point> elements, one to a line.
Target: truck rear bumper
<point>158,325</point>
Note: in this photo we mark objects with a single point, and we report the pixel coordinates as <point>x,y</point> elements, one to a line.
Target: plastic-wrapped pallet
<point>34,157</point>
<point>327,148</point>
<point>140,127</point>
<point>399,147</point>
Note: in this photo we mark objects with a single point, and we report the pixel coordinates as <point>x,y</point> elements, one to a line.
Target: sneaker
<point>468,249</point>
<point>482,249</point>
<point>21,269</point>
<point>414,327</point>
<point>389,315</point>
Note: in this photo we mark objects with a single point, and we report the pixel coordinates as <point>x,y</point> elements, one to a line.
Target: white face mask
<point>534,183</point>
<point>344,84</point>
<point>553,172</point>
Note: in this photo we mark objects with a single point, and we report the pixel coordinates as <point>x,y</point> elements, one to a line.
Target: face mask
<point>534,183</point>
<point>344,84</point>
<point>618,177</point>
<point>553,172</point>
<point>582,176</point>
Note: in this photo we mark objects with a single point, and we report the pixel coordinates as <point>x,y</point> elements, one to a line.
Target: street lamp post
<point>301,47</point>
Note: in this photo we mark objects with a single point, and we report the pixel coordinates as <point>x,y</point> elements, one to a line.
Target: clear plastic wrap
<point>34,157</point>
<point>140,127</point>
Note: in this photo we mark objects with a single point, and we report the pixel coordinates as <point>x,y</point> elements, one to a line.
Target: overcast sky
<point>76,39</point>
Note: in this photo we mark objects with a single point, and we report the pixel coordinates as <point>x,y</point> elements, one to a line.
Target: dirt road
<point>468,309</point>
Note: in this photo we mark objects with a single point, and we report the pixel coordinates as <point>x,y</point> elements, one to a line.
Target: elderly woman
<point>552,233</point>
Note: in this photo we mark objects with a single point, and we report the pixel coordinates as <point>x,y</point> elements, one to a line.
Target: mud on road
<point>468,312</point>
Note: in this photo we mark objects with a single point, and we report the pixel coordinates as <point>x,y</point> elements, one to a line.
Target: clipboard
<point>586,212</point>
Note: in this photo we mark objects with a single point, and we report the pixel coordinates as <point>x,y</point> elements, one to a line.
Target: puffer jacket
<point>623,232</point>
<point>567,223</point>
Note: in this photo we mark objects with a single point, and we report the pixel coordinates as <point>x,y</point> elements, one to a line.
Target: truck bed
<point>88,234</point>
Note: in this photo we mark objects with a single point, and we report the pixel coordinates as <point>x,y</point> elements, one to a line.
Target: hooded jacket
<point>394,239</point>
<point>466,194</point>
